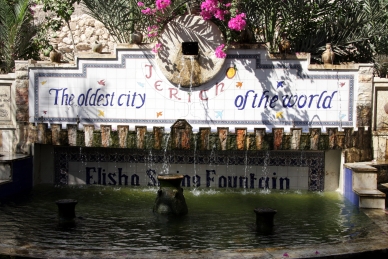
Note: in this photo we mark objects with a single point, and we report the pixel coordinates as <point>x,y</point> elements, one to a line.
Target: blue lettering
<point>118,102</point>
<point>287,183</point>
<point>300,98</point>
<point>99,99</point>
<point>319,100</point>
<point>312,98</point>
<point>208,178</point>
<point>107,100</point>
<point>328,99</point>
<point>135,180</point>
<point>222,182</point>
<point>285,97</point>
<point>186,178</point>
<point>111,178</point>
<point>239,101</point>
<point>273,101</point>
<point>152,175</point>
<point>87,96</point>
<point>252,181</point>
<point>197,181</point>
<point>81,103</point>
<point>121,175</point>
<point>142,100</point>
<point>56,94</point>
<point>264,96</point>
<point>93,97</point>
<point>234,184</point>
<point>111,100</point>
<point>88,174</point>
<point>243,182</point>
<point>274,182</point>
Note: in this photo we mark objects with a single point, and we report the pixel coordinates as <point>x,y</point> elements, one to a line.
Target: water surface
<point>118,219</point>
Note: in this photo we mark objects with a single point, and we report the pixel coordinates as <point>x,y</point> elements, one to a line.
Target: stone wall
<point>380,119</point>
<point>356,143</point>
<point>85,29</point>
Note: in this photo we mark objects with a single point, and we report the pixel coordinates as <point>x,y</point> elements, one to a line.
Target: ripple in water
<point>121,219</point>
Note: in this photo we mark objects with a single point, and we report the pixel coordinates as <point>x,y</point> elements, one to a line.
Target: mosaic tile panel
<point>246,165</point>
<point>302,98</point>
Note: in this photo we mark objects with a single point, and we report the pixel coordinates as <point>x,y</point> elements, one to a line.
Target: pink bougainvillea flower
<point>219,52</point>
<point>209,8</point>
<point>140,4</point>
<point>206,15</point>
<point>152,31</point>
<point>219,14</point>
<point>162,4</point>
<point>209,5</point>
<point>157,47</point>
<point>238,22</point>
<point>285,255</point>
<point>148,11</point>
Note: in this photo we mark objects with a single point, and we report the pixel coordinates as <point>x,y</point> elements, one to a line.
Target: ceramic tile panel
<point>132,90</point>
<point>224,169</point>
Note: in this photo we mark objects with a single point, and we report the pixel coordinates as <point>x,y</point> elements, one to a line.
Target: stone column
<point>20,112</point>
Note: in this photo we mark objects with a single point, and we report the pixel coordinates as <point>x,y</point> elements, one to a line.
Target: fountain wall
<point>286,106</point>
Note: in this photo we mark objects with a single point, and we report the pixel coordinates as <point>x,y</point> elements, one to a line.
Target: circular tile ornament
<point>195,63</point>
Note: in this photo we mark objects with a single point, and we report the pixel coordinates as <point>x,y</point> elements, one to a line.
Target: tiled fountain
<point>253,121</point>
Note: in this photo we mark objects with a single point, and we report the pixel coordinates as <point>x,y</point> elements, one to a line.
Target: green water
<point>117,219</point>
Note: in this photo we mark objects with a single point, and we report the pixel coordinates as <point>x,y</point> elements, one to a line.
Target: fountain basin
<point>118,222</point>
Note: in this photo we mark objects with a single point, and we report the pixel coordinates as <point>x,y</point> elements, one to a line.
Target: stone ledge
<point>380,80</point>
<point>286,56</point>
<point>94,55</point>
<point>145,46</point>
<point>7,78</point>
<point>5,181</point>
<point>361,167</point>
<point>247,46</point>
<point>369,193</point>
<point>33,63</point>
<point>380,132</point>
<point>333,67</point>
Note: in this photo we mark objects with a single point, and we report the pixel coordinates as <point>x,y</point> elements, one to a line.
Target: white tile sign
<point>220,176</point>
<point>250,91</point>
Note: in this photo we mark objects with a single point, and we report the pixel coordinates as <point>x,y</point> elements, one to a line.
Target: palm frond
<point>15,31</point>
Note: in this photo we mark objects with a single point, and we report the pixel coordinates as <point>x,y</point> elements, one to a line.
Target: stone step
<point>5,181</point>
<point>370,199</point>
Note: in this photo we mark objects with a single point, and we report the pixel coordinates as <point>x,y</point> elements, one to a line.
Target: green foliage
<point>16,31</point>
<point>356,29</point>
<point>263,18</point>
<point>46,29</point>
<point>123,17</point>
<point>120,17</point>
<point>63,9</point>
